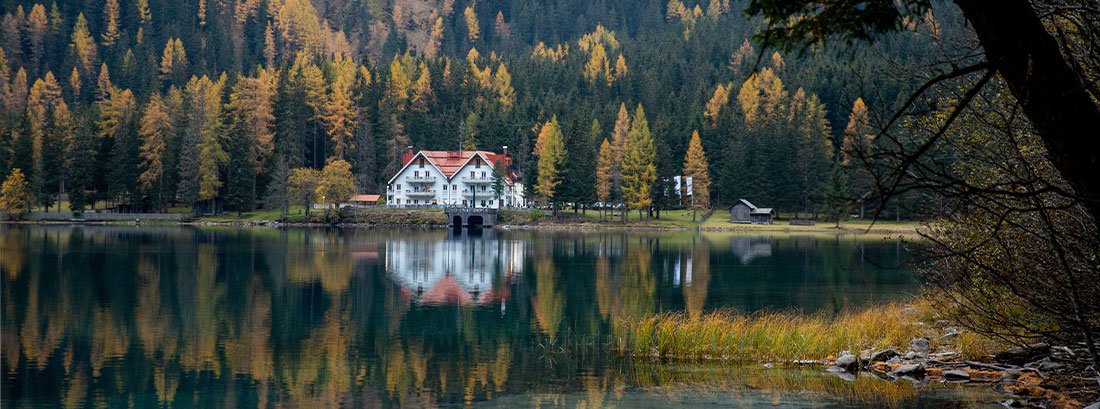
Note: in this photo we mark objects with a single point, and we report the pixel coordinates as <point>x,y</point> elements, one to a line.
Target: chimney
<point>505,150</point>
<point>410,149</point>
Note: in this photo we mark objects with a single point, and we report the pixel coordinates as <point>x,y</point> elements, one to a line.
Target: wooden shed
<point>743,211</point>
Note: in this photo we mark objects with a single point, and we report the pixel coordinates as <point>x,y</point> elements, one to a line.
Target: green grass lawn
<point>295,214</point>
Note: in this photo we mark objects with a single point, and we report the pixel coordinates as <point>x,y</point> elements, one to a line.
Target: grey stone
<point>919,345</point>
<point>956,374</point>
<point>1045,364</point>
<point>1093,406</point>
<point>1010,375</point>
<point>894,360</point>
<point>847,361</point>
<point>910,355</point>
<point>884,355</point>
<point>910,369</point>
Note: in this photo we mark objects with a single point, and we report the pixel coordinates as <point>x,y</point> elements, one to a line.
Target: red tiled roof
<point>365,198</point>
<point>449,162</point>
<point>446,291</point>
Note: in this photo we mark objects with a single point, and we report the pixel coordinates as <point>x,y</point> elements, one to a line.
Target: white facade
<point>424,182</point>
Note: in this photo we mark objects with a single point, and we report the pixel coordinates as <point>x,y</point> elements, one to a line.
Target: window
<point>477,163</point>
<point>464,203</point>
<point>490,203</point>
<point>444,187</point>
<point>416,173</point>
<point>421,163</point>
<point>454,187</point>
<point>417,201</point>
<point>482,203</point>
<point>398,201</point>
<point>398,186</point>
<point>433,202</point>
<point>483,174</point>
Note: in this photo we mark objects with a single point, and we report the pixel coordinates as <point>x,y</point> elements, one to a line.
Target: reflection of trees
<point>548,303</point>
<point>695,290</point>
<point>638,283</point>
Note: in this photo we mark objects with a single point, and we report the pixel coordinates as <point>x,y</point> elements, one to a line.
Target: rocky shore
<point>1036,376</point>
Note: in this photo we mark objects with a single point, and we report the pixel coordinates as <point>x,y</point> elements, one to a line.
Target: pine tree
<point>110,23</point>
<point>551,153</point>
<point>103,84</point>
<point>422,92</point>
<point>856,151</point>
<point>502,83</point>
<point>501,27</point>
<point>470,131</point>
<point>74,83</point>
<point>83,46</point>
<point>269,46</point>
<point>15,194</point>
<point>639,167</point>
<point>144,14</point>
<point>80,166</point>
<point>435,39</point>
<point>618,150</point>
<point>603,173</point>
<point>155,131</point>
<point>339,113</point>
<point>212,155</point>
<point>252,103</point>
<point>473,27</point>
<point>36,28</point>
<point>837,195</point>
<point>718,101</point>
<point>696,168</point>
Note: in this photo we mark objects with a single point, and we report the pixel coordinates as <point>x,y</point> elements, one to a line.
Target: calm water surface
<point>185,317</point>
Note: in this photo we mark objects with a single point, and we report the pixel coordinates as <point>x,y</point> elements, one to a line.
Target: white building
<point>453,178</point>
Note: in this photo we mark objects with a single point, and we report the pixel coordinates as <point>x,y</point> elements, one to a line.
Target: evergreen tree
<point>80,166</point>
<point>603,174</point>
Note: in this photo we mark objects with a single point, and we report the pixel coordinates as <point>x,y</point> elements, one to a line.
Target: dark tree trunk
<point>1049,90</point>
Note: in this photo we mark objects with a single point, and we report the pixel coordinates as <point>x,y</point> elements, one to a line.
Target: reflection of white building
<point>453,178</point>
<point>459,271</point>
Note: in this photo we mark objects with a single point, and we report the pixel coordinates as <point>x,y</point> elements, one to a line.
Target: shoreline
<point>910,232</point>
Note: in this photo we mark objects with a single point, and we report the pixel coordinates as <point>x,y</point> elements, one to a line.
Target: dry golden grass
<point>766,336</point>
<point>786,337</point>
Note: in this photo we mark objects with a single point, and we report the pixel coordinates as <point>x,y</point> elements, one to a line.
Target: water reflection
<point>122,316</point>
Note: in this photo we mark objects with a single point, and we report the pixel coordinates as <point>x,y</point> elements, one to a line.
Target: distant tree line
<point>150,105</point>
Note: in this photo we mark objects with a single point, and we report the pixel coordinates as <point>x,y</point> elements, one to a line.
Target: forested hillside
<point>150,104</point>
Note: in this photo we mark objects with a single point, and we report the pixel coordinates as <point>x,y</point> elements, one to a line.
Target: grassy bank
<point>789,337</point>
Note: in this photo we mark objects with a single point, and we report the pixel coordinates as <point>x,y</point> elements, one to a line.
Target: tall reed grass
<point>768,336</point>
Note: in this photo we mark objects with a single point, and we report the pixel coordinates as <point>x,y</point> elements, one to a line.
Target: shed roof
<point>746,202</point>
<point>761,210</point>
<point>365,198</point>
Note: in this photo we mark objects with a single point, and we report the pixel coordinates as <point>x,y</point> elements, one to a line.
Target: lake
<point>117,316</point>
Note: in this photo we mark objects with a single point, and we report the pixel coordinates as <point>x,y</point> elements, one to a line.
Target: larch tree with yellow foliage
<point>473,27</point>
<point>156,128</point>
<point>639,164</point>
<point>695,167</point>
<point>551,152</point>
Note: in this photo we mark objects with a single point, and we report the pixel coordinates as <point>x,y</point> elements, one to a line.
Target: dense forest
<point>153,104</point>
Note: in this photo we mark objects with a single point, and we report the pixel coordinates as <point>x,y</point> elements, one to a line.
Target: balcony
<point>474,179</point>
<point>485,194</point>
<point>420,193</point>
<point>420,179</point>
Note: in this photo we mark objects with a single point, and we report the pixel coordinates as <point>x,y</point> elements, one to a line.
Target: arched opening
<point>456,222</point>
<point>475,222</point>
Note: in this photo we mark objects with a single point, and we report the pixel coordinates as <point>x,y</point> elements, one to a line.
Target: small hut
<point>743,211</point>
